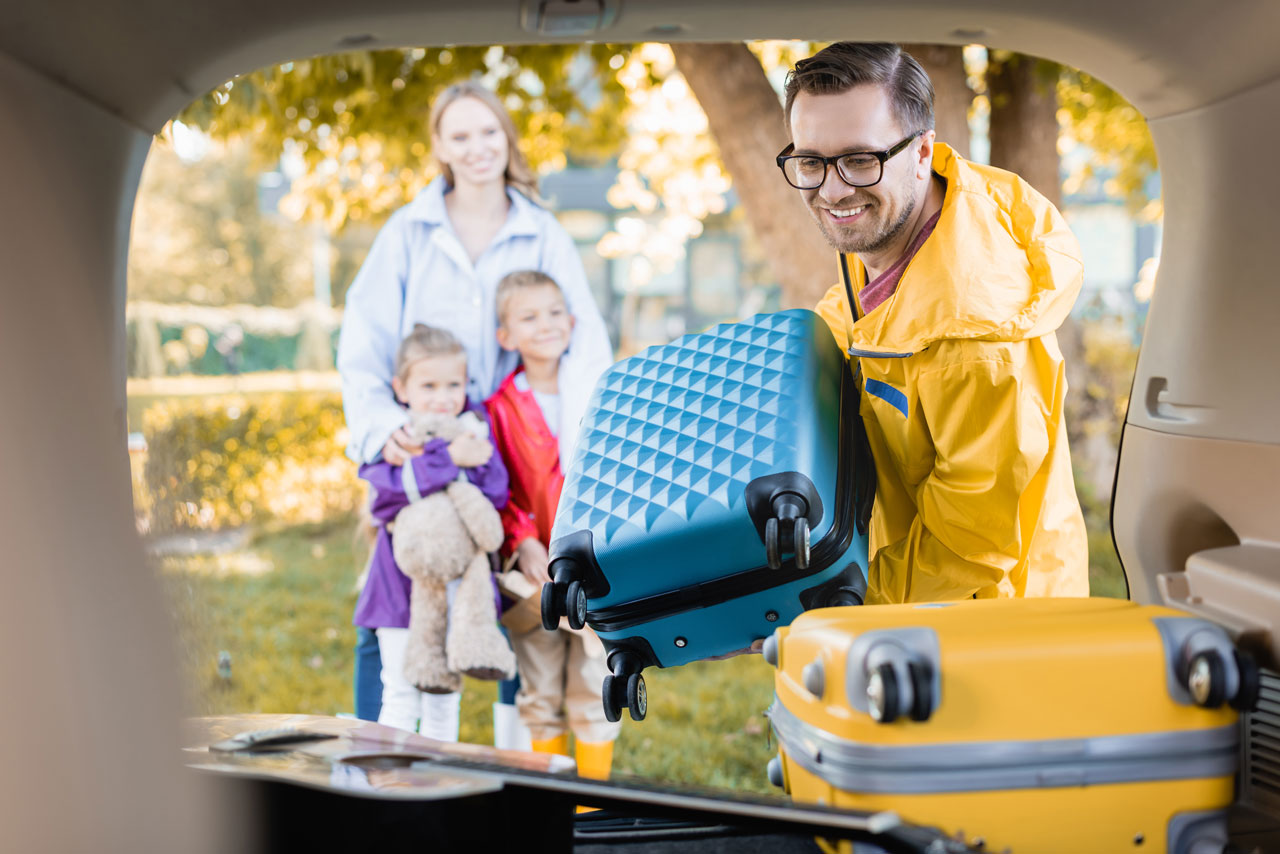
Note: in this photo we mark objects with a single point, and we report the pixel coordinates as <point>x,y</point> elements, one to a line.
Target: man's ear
<point>924,163</point>
<point>398,387</point>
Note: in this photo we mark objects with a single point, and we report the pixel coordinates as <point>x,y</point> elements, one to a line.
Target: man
<point>954,278</point>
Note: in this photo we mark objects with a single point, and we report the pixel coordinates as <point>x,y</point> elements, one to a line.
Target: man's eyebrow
<point>853,149</point>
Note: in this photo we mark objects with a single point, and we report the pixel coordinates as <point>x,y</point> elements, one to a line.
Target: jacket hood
<point>1001,265</point>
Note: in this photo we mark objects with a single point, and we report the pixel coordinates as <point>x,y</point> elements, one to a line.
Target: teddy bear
<point>442,536</point>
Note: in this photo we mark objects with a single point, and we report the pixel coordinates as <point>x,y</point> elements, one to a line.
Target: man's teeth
<point>849,211</point>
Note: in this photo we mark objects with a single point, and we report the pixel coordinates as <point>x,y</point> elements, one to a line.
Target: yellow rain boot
<point>559,744</point>
<point>595,758</point>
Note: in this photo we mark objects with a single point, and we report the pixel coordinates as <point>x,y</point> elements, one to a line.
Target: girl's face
<point>436,384</point>
<point>469,140</point>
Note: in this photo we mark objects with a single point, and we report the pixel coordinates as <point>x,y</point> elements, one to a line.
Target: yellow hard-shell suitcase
<point>1027,725</point>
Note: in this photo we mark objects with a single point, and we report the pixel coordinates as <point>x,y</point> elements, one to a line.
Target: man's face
<point>859,219</point>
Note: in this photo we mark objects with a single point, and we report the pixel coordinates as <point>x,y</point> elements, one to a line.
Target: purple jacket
<point>384,601</point>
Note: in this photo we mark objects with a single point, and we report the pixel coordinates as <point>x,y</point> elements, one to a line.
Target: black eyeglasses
<point>855,168</point>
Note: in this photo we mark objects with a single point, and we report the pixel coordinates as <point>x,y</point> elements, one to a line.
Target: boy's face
<point>435,384</point>
<point>536,324</point>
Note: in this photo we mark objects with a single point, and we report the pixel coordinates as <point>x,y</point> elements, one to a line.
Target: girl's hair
<point>425,342</point>
<point>518,174</point>
<point>518,281</point>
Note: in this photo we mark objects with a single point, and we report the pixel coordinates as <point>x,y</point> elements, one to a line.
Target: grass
<point>282,607</point>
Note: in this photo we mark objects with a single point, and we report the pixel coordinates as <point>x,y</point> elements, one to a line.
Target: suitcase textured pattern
<point>710,498</point>
<point>1039,725</point>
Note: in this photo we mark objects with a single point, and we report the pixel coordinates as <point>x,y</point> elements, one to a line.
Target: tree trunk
<point>951,93</point>
<point>1024,120</point>
<point>1024,139</point>
<point>746,120</point>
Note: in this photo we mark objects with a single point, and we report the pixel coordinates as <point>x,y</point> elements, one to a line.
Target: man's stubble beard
<point>872,244</point>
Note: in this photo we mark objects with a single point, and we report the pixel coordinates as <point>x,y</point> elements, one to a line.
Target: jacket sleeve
<point>517,527</point>
<point>396,486</point>
<point>371,324</point>
<point>516,522</point>
<point>590,339</point>
<point>989,423</point>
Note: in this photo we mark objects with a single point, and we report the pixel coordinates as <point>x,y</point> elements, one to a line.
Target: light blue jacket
<point>418,272</point>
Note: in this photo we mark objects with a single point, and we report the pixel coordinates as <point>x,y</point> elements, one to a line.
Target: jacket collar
<point>1001,265</point>
<point>428,207</point>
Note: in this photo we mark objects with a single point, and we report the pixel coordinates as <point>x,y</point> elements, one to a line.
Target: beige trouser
<point>559,680</point>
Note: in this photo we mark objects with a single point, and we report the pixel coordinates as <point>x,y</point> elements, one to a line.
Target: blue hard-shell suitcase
<point>720,486</point>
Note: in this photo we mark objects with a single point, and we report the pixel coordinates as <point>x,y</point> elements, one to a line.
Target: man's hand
<point>400,448</point>
<point>532,558</point>
<point>468,451</point>
<point>756,646</point>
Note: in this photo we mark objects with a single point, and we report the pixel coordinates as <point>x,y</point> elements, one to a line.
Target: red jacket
<point>532,455</point>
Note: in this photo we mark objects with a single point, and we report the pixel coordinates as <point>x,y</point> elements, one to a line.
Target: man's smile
<point>844,215</point>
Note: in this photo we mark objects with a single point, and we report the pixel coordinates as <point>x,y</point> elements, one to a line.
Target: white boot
<point>508,732</point>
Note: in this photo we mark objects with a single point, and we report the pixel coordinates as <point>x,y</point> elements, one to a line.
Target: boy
<point>535,415</point>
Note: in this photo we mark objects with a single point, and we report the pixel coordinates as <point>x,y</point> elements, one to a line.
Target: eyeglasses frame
<point>828,162</point>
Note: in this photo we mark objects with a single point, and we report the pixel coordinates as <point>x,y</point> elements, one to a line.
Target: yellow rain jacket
<point>963,387</point>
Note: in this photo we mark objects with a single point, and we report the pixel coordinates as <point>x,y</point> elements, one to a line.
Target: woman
<point>437,261</point>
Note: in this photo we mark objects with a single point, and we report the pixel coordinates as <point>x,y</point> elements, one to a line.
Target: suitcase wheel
<point>637,697</point>
<point>550,619</point>
<point>773,542</point>
<point>801,539</point>
<point>630,690</point>
<point>564,597</point>
<point>921,690</point>
<point>1246,699</point>
<point>882,694</point>
<point>612,709</point>
<point>772,547</point>
<point>575,599</point>
<point>1206,679</point>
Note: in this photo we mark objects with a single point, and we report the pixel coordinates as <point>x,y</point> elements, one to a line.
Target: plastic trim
<point>1190,832</point>
<point>993,765</point>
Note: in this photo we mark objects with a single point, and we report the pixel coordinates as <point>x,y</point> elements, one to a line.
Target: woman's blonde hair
<point>425,342</point>
<point>519,174</point>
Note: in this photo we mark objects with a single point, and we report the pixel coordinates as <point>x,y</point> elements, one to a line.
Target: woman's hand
<point>468,451</point>
<point>400,448</point>
<point>532,558</point>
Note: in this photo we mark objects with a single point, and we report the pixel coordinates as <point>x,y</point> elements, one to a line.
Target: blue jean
<point>368,675</point>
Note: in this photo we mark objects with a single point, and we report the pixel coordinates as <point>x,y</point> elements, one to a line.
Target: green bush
<point>234,460</point>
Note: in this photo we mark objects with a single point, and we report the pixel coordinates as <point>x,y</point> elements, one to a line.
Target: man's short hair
<point>518,281</point>
<point>844,65</point>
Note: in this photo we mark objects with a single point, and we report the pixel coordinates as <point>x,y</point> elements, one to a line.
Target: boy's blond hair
<point>517,281</point>
<point>425,342</point>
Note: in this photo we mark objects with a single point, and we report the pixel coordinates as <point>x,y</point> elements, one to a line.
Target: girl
<point>430,376</point>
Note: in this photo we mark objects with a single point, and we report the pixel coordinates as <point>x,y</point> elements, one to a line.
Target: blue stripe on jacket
<point>888,394</point>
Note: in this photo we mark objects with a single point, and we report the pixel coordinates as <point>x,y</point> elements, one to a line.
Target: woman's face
<point>469,140</point>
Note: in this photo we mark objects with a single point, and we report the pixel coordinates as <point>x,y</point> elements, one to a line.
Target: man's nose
<point>833,188</point>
